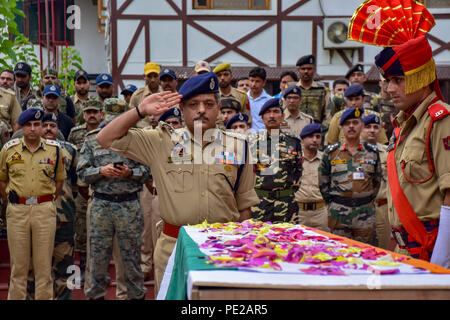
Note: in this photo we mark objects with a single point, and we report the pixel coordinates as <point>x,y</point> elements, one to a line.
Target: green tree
<point>71,62</point>
<point>15,47</point>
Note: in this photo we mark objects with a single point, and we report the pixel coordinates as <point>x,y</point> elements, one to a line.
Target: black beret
<point>357,67</point>
<point>292,90</point>
<point>239,117</point>
<point>310,129</point>
<point>309,59</point>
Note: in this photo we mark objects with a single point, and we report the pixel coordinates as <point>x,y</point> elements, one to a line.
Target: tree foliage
<point>71,62</point>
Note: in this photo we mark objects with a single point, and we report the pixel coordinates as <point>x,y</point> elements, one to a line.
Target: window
<point>436,3</point>
<point>231,4</point>
<point>30,26</point>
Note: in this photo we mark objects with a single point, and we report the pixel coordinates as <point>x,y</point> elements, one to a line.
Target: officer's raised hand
<point>157,104</point>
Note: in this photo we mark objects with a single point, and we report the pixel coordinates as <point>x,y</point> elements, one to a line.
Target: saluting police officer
<point>31,177</point>
<point>190,190</point>
<point>115,210</point>
<point>278,167</point>
<point>349,180</point>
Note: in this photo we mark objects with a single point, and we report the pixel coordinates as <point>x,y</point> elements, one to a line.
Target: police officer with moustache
<point>224,188</point>
<point>32,174</point>
<point>278,167</point>
<point>349,180</point>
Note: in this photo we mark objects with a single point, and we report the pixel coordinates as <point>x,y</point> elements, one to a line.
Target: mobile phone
<point>116,164</point>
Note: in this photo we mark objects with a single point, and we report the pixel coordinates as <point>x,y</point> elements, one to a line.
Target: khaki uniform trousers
<point>150,212</point>
<point>121,288</point>
<point>383,227</point>
<point>31,231</point>
<point>317,219</point>
<point>163,250</point>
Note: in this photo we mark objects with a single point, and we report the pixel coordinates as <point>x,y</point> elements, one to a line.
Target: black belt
<point>352,202</point>
<point>116,197</point>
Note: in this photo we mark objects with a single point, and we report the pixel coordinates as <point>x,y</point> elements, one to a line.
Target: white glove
<point>441,252</point>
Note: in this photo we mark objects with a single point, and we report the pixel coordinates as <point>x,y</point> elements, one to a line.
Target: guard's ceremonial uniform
<point>418,160</point>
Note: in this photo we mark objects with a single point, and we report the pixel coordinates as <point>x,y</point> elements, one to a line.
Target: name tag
<point>358,175</point>
<point>340,161</point>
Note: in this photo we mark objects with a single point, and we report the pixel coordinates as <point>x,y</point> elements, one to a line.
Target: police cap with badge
<point>51,89</point>
<point>309,59</point>
<point>22,68</point>
<point>371,119</point>
<point>32,114</point>
<point>222,67</point>
<point>201,84</point>
<point>129,88</point>
<point>271,103</point>
<point>169,73</point>
<point>103,78</point>
<point>239,117</point>
<point>292,90</point>
<point>351,113</point>
<point>81,74</point>
<point>355,68</point>
<point>171,113</point>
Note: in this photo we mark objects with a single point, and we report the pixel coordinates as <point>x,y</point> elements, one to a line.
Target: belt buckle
<point>31,200</point>
<point>399,238</point>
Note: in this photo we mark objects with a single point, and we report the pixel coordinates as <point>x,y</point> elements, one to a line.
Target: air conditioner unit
<point>335,32</point>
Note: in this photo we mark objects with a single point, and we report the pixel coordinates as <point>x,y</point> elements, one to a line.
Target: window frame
<point>210,5</point>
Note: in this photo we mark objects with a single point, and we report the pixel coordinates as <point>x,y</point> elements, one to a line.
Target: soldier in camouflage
<point>115,210</point>
<point>278,160</point>
<point>356,75</point>
<point>63,252</point>
<point>354,98</point>
<point>349,180</point>
<point>92,116</point>
<point>315,95</point>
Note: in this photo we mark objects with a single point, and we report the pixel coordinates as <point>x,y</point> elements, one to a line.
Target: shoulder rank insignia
<point>52,143</point>
<point>370,147</point>
<point>332,147</point>
<point>11,143</point>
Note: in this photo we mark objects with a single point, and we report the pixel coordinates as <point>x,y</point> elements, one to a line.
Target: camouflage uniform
<point>277,175</point>
<point>109,217</point>
<point>371,101</point>
<point>314,100</point>
<point>76,137</point>
<point>388,113</point>
<point>337,103</point>
<point>350,183</point>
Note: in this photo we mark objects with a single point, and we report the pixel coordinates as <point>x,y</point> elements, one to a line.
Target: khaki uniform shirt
<point>189,192</point>
<point>382,150</point>
<point>335,133</point>
<point>31,174</point>
<point>426,198</point>
<point>294,126</point>
<point>138,96</point>
<point>10,109</point>
<point>309,182</point>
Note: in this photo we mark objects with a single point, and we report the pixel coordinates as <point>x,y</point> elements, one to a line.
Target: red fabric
<point>40,199</point>
<point>171,230</point>
<point>414,53</point>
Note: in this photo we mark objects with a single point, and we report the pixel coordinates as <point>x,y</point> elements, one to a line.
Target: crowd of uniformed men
<point>72,180</point>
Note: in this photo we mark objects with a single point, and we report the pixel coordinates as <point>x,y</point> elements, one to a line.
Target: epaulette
<point>79,127</point>
<point>332,147</point>
<point>52,142</point>
<point>93,131</point>
<point>7,91</point>
<point>370,147</point>
<point>11,143</point>
<point>165,126</point>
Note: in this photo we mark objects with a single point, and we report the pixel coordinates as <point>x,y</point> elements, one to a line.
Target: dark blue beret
<point>200,84</point>
<point>32,114</point>
<point>273,102</point>
<point>292,90</point>
<point>171,113</point>
<point>310,129</point>
<point>371,118</point>
<point>49,117</point>
<point>355,68</point>
<point>239,117</point>
<point>351,113</point>
<point>309,59</point>
<point>129,88</point>
<point>354,90</point>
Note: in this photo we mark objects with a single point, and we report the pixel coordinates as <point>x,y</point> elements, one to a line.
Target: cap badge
<point>176,112</point>
<point>19,66</point>
<point>37,115</point>
<point>357,113</point>
<point>241,117</point>
<point>52,88</point>
<point>166,71</point>
<point>212,84</point>
<point>105,77</point>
